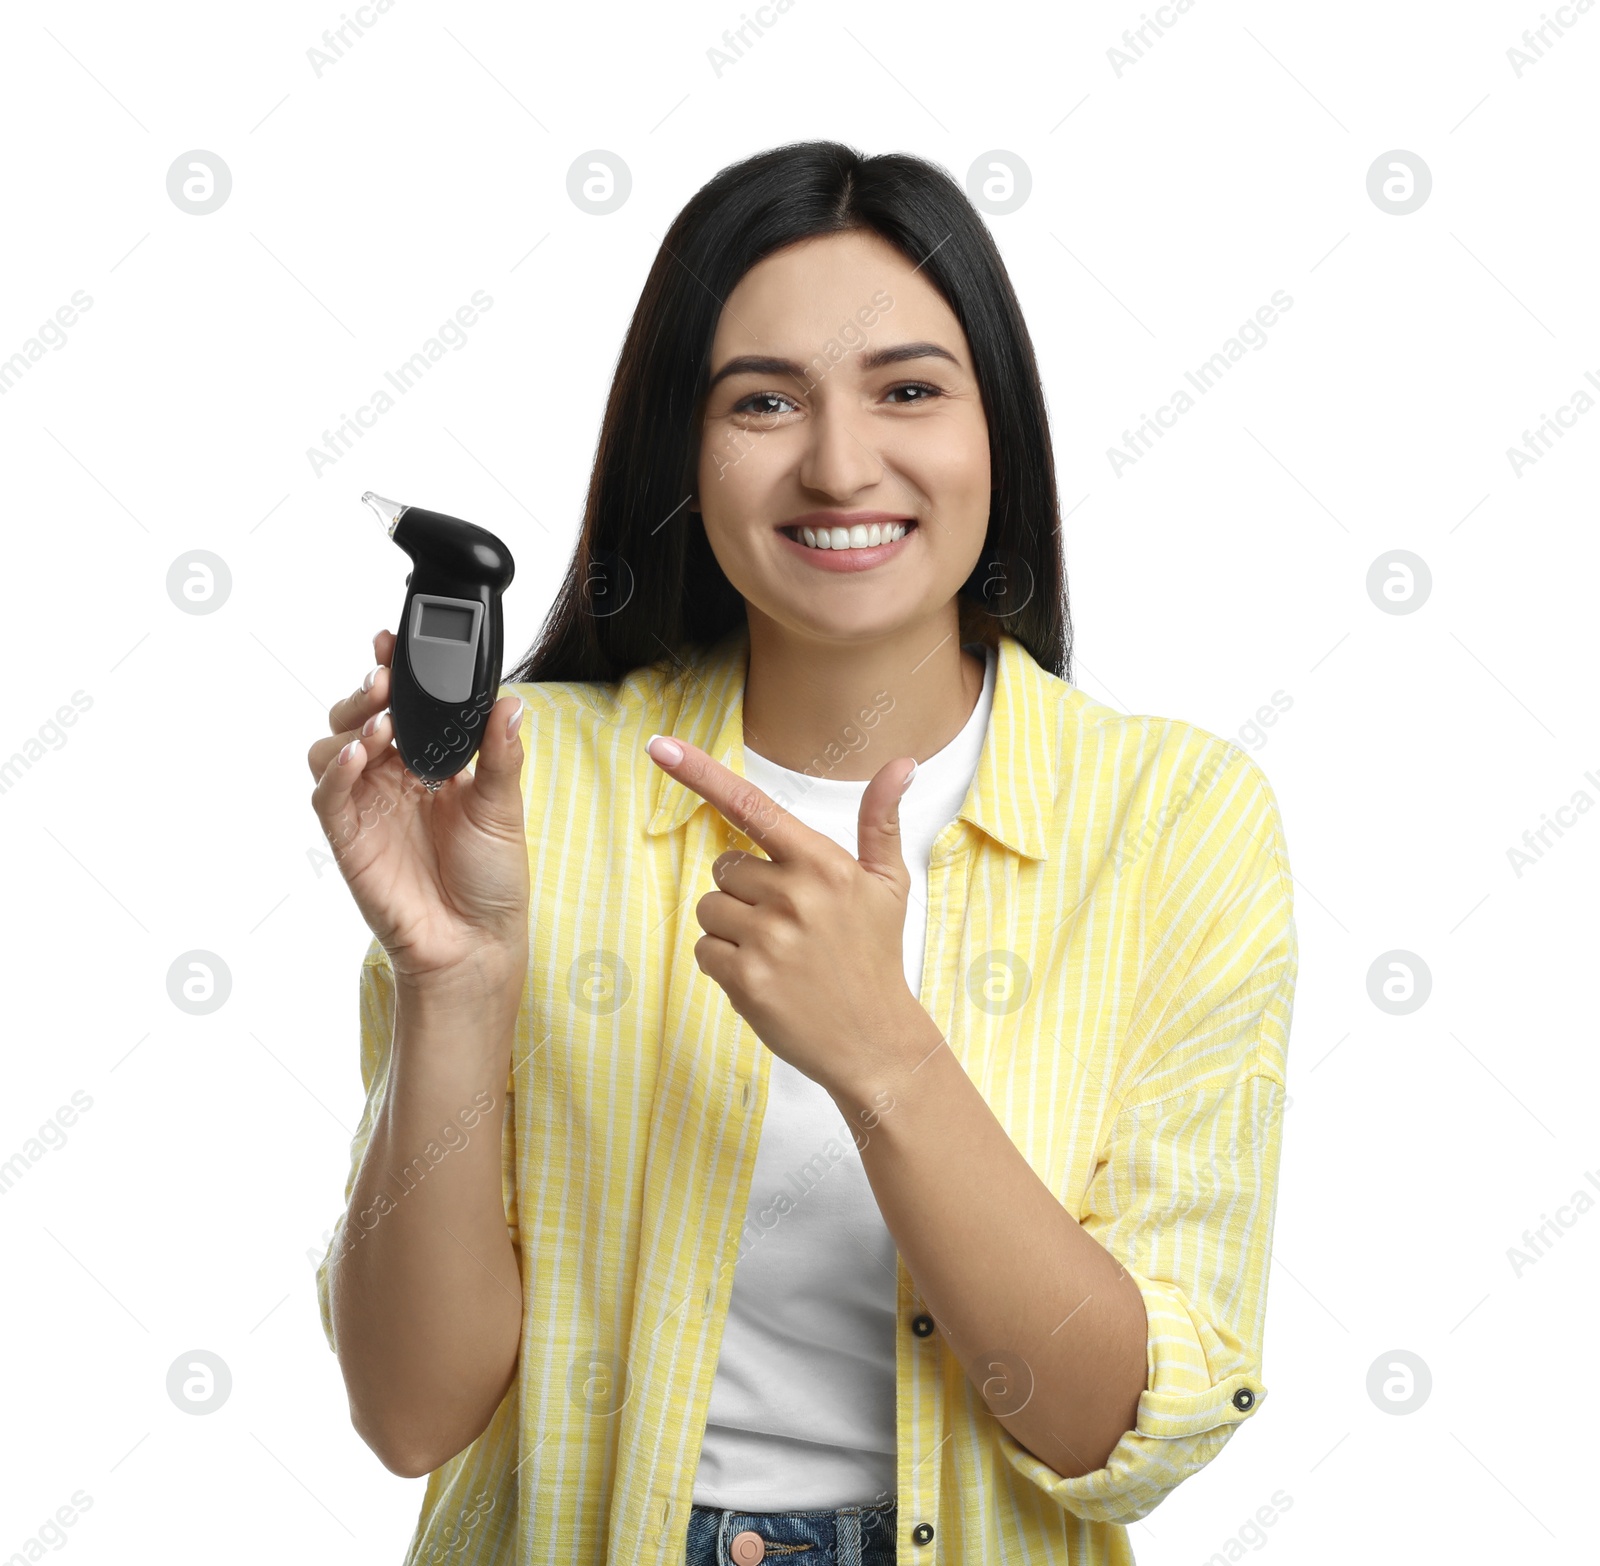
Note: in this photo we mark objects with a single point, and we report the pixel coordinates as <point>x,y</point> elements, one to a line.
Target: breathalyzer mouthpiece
<point>388,511</point>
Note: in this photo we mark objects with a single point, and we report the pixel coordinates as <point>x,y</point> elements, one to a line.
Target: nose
<point>840,461</point>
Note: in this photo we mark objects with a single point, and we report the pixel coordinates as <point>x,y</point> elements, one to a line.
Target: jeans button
<point>747,1548</point>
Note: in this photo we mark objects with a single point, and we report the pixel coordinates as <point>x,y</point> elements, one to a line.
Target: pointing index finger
<point>737,800</point>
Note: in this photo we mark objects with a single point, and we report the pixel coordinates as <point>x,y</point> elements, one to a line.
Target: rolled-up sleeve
<point>1185,1190</point>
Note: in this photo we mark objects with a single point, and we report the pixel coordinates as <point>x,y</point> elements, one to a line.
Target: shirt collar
<point>1012,794</point>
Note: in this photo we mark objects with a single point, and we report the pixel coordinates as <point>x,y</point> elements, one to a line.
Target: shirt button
<point>747,1548</point>
<point>922,1325</point>
<point>1244,1398</point>
<point>922,1533</point>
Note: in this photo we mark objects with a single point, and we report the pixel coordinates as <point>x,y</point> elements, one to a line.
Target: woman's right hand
<point>441,877</point>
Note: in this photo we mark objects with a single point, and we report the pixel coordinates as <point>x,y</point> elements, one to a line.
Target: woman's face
<point>843,395</point>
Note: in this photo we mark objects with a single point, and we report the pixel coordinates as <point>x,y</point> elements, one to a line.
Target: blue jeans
<point>849,1536</point>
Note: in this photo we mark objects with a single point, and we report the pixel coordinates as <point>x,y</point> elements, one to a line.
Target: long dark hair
<point>643,585</point>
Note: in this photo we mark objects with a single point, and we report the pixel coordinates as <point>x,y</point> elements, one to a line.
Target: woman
<point>892,1037</point>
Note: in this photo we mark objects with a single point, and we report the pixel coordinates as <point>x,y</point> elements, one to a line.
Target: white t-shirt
<point>802,1413</point>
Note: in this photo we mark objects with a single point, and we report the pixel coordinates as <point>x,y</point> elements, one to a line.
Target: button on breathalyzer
<point>445,673</point>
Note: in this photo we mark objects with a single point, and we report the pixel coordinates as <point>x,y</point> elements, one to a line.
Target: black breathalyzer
<point>445,673</point>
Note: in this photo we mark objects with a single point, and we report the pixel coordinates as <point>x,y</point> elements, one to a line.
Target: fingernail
<point>514,722</point>
<point>671,752</point>
<point>348,751</point>
<point>366,684</point>
<point>911,774</point>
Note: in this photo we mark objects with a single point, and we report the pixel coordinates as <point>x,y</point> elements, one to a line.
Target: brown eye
<point>916,386</point>
<point>743,405</point>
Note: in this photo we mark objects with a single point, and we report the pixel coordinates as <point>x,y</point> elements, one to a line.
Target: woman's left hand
<point>808,944</point>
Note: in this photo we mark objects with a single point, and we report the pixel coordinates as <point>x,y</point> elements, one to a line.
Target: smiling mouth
<point>861,536</point>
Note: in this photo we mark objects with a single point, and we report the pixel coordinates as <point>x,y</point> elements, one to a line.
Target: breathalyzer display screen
<point>442,644</point>
<point>448,622</point>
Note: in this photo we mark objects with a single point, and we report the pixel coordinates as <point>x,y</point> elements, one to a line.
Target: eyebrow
<point>873,359</point>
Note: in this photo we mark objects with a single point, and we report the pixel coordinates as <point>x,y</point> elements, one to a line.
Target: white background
<point>188,1205</point>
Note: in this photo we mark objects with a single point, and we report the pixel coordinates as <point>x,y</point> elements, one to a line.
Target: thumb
<point>497,774</point>
<point>878,845</point>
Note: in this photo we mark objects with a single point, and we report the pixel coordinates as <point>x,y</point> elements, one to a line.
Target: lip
<point>848,560</point>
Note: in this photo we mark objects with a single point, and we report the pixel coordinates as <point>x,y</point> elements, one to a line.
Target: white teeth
<point>861,536</point>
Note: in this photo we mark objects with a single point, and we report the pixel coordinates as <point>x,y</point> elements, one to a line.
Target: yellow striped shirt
<point>1111,955</point>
